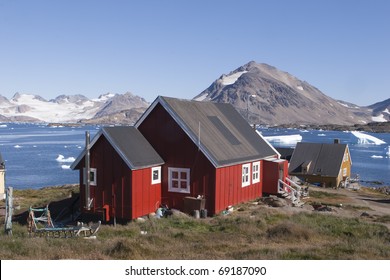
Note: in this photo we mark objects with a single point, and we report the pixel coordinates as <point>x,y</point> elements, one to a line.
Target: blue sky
<point>178,48</point>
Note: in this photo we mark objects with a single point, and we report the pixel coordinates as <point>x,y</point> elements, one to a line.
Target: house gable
<point>131,146</point>
<point>217,129</point>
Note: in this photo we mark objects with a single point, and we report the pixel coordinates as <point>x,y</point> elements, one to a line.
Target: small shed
<point>326,164</point>
<point>125,174</point>
<point>209,150</point>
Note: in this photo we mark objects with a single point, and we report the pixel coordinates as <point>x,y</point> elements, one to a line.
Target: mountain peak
<point>25,96</point>
<point>266,95</point>
<point>71,108</point>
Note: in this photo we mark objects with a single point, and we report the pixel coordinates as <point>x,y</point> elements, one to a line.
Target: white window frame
<point>344,172</point>
<point>91,182</point>
<point>246,175</point>
<point>179,180</point>
<point>158,170</point>
<point>256,172</point>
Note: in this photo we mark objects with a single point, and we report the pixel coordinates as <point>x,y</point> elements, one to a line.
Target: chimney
<point>336,141</point>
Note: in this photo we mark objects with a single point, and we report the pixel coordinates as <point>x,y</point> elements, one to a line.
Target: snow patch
<point>346,105</point>
<point>380,118</point>
<point>104,97</point>
<point>50,111</point>
<point>367,139</point>
<point>231,79</point>
<point>202,97</point>
<point>386,111</point>
<point>300,87</point>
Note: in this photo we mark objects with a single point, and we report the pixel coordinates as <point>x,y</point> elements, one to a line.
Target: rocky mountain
<point>381,110</point>
<point>266,95</point>
<point>107,108</point>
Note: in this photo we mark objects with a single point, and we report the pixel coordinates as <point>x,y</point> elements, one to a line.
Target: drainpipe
<point>87,172</point>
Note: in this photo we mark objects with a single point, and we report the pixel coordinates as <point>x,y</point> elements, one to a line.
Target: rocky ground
<point>354,202</point>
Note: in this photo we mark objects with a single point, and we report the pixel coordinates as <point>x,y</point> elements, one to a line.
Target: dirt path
<point>363,199</point>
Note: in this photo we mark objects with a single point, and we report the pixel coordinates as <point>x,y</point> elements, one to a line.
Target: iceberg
<point>61,158</point>
<point>375,156</point>
<point>367,139</point>
<point>285,139</point>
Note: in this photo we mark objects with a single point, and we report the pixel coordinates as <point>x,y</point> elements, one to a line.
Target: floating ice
<point>367,139</point>
<point>388,151</point>
<point>61,158</point>
<point>64,166</point>
<point>321,134</point>
<point>375,156</point>
<point>285,139</point>
<point>3,125</point>
<point>17,146</point>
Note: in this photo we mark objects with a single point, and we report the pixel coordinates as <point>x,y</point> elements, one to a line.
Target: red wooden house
<point>125,175</point>
<point>209,150</point>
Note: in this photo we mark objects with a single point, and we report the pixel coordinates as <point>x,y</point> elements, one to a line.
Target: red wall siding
<point>177,150</point>
<point>271,175</point>
<point>129,194</point>
<point>146,197</point>
<point>229,190</point>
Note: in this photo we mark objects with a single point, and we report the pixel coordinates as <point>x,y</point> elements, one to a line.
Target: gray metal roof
<point>322,159</point>
<point>219,131</point>
<point>130,144</point>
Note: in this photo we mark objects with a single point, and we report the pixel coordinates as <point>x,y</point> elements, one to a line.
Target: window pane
<point>183,184</point>
<point>155,175</point>
<point>183,175</point>
<point>175,184</point>
<point>175,175</point>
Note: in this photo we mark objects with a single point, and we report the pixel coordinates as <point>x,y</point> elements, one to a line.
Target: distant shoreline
<point>375,127</point>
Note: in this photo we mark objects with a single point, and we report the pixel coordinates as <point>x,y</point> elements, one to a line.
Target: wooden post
<point>8,210</point>
<point>87,174</point>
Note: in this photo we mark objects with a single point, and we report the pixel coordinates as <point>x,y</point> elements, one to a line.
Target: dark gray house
<point>327,164</point>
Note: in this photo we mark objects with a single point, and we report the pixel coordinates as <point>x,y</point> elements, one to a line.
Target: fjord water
<point>39,155</point>
<point>370,161</point>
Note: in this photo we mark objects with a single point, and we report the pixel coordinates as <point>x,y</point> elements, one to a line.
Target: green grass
<point>257,232</point>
